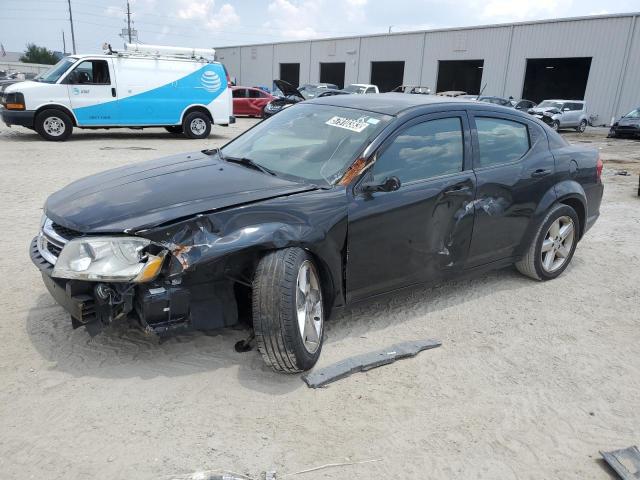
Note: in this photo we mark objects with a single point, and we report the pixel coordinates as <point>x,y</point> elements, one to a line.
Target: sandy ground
<point>532,380</point>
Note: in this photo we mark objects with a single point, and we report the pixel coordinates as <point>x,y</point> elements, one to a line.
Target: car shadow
<point>115,134</point>
<point>124,351</point>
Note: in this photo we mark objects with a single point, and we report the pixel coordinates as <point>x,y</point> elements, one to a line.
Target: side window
<point>91,72</point>
<point>239,93</point>
<point>422,151</point>
<point>255,94</point>
<point>576,107</point>
<point>501,141</point>
<point>371,90</point>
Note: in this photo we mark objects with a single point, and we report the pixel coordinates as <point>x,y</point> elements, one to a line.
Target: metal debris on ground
<point>625,462</point>
<point>361,363</point>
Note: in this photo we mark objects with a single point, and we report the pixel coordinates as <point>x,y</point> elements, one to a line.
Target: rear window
<point>501,141</point>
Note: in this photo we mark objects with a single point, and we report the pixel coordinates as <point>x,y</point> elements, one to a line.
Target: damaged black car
<point>330,202</point>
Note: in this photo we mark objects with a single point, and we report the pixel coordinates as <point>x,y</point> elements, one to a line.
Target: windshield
<point>354,89</point>
<point>550,104</point>
<point>54,73</point>
<point>316,143</point>
<point>633,114</point>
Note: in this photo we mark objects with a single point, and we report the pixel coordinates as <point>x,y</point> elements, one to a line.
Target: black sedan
<point>330,202</point>
<point>627,126</point>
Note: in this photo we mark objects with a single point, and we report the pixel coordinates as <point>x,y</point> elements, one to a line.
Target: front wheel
<point>582,127</point>
<point>553,245</point>
<point>288,310</point>
<point>53,125</point>
<point>196,125</point>
<point>555,125</point>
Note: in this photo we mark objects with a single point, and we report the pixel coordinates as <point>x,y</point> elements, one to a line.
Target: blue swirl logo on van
<point>210,81</point>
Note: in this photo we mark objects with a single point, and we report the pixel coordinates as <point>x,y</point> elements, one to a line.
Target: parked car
<point>560,114</point>
<point>312,90</point>
<point>628,125</point>
<point>361,88</point>
<point>504,102</point>
<point>250,101</point>
<point>190,240</point>
<point>288,95</point>
<point>132,89</point>
<point>413,89</point>
<point>452,93</point>
<point>523,105</point>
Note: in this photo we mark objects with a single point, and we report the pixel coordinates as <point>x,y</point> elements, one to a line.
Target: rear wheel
<point>175,129</point>
<point>53,125</point>
<point>553,245</point>
<point>288,310</point>
<point>196,125</point>
<point>582,127</point>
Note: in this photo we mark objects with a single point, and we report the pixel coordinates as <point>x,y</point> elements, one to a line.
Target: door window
<point>422,151</point>
<point>91,72</point>
<point>501,141</point>
<point>239,93</point>
<point>255,94</point>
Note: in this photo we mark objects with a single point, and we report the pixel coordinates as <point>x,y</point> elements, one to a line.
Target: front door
<point>514,169</point>
<point>421,231</point>
<point>92,92</point>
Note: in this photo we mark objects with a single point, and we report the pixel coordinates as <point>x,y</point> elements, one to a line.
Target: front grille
<point>53,249</point>
<point>65,232</point>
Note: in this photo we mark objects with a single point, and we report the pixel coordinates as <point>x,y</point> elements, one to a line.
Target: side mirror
<point>390,184</point>
<point>566,109</point>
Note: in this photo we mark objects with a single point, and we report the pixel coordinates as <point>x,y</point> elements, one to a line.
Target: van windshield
<point>54,73</point>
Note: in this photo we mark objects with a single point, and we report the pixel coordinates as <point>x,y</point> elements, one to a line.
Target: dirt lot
<point>532,380</point>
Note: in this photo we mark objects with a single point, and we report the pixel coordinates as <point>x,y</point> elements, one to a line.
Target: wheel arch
<point>57,106</point>
<point>196,108</point>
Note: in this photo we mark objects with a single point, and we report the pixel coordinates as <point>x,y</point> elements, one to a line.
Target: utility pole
<point>128,21</point>
<point>64,44</point>
<point>73,36</point>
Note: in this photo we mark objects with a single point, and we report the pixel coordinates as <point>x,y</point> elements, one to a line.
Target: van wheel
<point>288,310</point>
<point>53,125</point>
<point>553,245</point>
<point>582,127</point>
<point>175,129</point>
<point>196,125</point>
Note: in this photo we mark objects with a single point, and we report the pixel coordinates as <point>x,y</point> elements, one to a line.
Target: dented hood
<point>152,193</point>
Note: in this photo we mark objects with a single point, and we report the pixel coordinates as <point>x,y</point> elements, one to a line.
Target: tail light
<point>599,166</point>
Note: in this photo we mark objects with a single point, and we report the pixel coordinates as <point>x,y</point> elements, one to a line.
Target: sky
<point>217,23</point>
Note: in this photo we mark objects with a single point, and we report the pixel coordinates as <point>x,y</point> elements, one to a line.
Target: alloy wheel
<point>198,126</point>
<point>557,244</point>
<point>309,307</point>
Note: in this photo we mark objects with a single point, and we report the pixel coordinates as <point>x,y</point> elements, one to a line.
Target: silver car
<point>560,114</point>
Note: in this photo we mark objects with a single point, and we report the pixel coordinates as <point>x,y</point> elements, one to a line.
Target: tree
<point>36,54</point>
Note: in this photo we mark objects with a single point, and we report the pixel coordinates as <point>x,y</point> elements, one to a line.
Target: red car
<point>250,101</point>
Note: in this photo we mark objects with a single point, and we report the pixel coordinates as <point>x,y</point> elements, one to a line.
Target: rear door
<point>240,101</point>
<point>514,169</point>
<point>421,231</point>
<point>92,92</point>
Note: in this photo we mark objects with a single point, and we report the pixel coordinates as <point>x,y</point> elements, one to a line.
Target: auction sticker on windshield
<point>355,125</point>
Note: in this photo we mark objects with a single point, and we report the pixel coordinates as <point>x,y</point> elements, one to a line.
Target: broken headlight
<point>112,259</point>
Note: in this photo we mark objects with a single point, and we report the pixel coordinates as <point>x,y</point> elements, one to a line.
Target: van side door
<point>92,92</point>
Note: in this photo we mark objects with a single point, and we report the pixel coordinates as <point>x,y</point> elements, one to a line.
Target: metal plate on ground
<point>625,462</point>
<point>361,363</point>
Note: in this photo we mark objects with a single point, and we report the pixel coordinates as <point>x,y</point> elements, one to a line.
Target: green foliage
<point>36,54</point>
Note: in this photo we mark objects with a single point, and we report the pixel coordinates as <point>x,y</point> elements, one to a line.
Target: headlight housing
<point>109,259</point>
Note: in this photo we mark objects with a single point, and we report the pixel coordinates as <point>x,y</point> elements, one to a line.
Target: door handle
<point>113,92</point>
<point>541,172</point>
<point>457,190</point>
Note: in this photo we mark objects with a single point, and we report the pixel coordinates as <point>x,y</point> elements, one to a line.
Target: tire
<point>196,125</point>
<point>555,125</point>
<point>53,125</point>
<point>174,129</point>
<point>535,263</point>
<point>582,127</point>
<point>277,293</point>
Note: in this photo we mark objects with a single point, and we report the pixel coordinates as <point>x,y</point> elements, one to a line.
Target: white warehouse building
<point>596,59</point>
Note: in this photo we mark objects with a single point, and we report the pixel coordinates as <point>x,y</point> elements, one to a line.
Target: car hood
<point>287,89</point>
<point>152,193</point>
<point>543,110</point>
<point>21,85</point>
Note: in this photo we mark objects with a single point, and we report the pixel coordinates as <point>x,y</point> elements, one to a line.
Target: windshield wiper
<point>247,162</point>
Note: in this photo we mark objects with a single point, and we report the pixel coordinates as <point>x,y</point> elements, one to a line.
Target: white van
<point>181,89</point>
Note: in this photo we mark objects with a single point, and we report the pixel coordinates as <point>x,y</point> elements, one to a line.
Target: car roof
<point>386,103</point>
